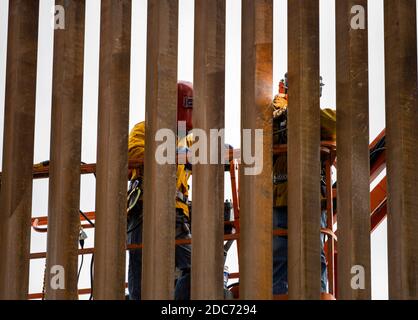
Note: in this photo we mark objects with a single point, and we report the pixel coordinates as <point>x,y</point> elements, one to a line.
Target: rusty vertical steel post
<point>19,127</point>
<point>353,149</point>
<point>208,179</point>
<point>112,150</point>
<point>303,150</point>
<point>402,151</point>
<point>160,179</point>
<point>64,174</point>
<point>256,185</point>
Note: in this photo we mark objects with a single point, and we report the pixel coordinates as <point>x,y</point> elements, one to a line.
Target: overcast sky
<point>185,72</point>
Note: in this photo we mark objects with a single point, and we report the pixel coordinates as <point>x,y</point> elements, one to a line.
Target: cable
<point>44,282</point>
<point>82,247</point>
<point>377,150</point>
<point>92,256</point>
<point>82,260</point>
<point>91,276</point>
<point>87,219</point>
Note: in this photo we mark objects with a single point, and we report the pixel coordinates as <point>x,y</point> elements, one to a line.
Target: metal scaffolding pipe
<point>303,150</point>
<point>402,151</point>
<point>112,150</point>
<point>256,188</point>
<point>353,152</point>
<point>208,179</point>
<point>19,126</point>
<point>64,172</point>
<point>160,179</point>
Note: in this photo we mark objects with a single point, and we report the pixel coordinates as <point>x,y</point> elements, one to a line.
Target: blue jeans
<point>280,284</point>
<point>183,255</point>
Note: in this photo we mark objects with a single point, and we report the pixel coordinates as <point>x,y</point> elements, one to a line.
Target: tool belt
<point>180,196</point>
<point>134,193</point>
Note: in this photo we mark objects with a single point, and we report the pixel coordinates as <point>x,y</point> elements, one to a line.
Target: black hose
<point>91,276</point>
<point>82,260</point>
<point>87,219</point>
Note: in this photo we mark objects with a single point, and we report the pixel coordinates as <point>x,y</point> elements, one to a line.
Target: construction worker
<point>280,191</point>
<point>135,208</point>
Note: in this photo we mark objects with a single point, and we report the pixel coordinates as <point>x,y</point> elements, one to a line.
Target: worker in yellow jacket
<point>280,190</point>
<point>136,150</point>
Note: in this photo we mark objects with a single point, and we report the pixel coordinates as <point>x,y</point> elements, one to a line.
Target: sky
<point>185,72</point>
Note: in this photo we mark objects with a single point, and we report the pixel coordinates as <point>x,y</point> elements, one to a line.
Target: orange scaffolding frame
<point>328,153</point>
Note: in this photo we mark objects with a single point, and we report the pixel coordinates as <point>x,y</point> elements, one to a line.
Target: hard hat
<point>185,103</point>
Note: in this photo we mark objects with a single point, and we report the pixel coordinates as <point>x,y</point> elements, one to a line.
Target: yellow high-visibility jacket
<point>328,133</point>
<point>136,148</point>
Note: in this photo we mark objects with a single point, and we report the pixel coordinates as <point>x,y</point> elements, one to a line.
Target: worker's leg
<point>324,275</point>
<point>280,285</point>
<point>134,236</point>
<point>183,256</point>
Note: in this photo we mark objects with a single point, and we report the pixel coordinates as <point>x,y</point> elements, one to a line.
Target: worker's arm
<point>183,143</point>
<point>328,125</point>
<point>136,147</point>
